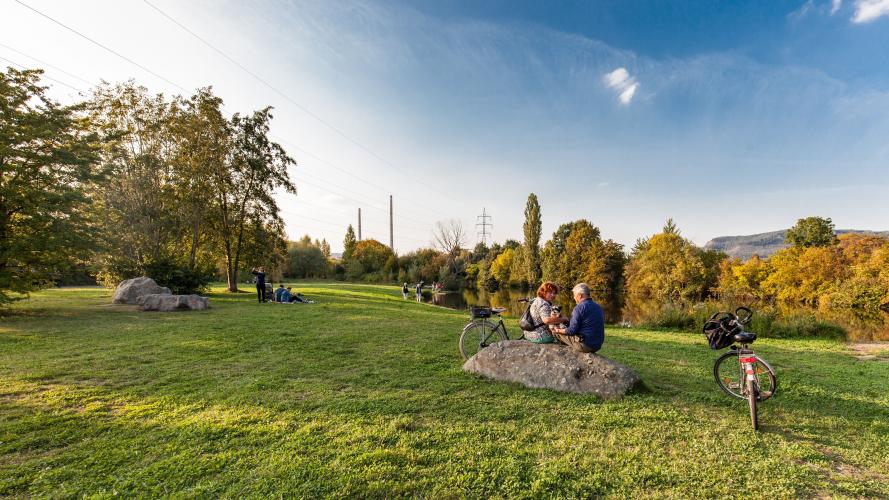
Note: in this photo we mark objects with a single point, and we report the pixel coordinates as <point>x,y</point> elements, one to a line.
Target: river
<point>859,326</point>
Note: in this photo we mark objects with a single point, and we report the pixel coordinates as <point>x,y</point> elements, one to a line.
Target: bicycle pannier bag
<point>717,336</point>
<point>526,322</point>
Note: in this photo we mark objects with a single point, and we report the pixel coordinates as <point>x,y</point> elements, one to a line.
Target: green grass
<point>362,394</point>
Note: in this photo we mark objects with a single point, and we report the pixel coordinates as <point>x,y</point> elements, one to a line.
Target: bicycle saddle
<point>745,337</point>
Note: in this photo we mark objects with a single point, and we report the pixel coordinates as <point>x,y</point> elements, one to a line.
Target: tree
<point>349,243</point>
<point>140,224</point>
<point>306,260</point>
<point>811,232</point>
<point>575,254</point>
<point>202,140</point>
<point>449,237</point>
<point>369,260</point>
<point>532,229</point>
<point>243,187</point>
<point>48,156</point>
<point>325,248</point>
<point>501,266</point>
<point>667,266</point>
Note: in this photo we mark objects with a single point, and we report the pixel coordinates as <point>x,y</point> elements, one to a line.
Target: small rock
<point>162,302</point>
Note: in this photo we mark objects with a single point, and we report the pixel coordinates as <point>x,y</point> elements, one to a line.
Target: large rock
<point>553,366</point>
<point>129,291</point>
<point>163,302</point>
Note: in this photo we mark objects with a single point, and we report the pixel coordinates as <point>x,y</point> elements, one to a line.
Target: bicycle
<point>480,333</point>
<point>752,378</point>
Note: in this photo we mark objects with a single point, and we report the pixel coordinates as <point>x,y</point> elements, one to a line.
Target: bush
<point>178,278</point>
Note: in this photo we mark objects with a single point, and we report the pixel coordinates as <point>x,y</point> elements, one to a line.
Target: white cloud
<point>869,10</point>
<point>621,81</point>
<point>835,6</point>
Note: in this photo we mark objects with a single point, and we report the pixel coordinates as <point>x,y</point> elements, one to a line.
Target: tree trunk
<point>194,244</point>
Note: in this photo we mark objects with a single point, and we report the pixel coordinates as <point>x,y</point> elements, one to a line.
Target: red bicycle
<point>740,372</point>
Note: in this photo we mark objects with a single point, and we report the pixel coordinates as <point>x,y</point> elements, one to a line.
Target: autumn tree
<point>48,161</point>
<point>667,266</point>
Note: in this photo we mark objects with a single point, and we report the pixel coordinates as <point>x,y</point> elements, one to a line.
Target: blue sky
<point>730,117</point>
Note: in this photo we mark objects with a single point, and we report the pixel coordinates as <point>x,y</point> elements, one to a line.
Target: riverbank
<point>362,394</point>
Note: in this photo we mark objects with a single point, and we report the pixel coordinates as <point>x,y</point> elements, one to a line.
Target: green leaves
<point>48,158</point>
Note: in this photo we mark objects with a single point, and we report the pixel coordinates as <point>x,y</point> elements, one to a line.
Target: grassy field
<point>362,394</point>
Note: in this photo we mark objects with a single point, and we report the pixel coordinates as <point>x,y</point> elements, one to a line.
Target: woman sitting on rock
<point>542,314</point>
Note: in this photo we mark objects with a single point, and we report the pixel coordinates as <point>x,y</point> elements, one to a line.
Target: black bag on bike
<point>526,322</point>
<point>719,336</point>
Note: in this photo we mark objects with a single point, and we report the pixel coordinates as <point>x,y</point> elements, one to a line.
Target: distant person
<point>542,314</point>
<point>586,330</point>
<point>278,292</point>
<point>260,283</point>
<point>404,291</point>
<point>288,297</point>
<point>419,290</point>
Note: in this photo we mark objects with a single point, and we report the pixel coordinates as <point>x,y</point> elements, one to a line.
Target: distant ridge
<point>764,244</point>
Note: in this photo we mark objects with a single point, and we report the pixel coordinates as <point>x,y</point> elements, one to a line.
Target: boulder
<point>129,291</point>
<point>553,366</point>
<point>164,302</point>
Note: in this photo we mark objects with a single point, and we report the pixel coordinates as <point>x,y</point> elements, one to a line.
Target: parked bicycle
<point>480,332</point>
<point>750,377</point>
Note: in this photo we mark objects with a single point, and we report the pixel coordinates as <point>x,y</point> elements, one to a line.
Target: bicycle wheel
<point>752,397</point>
<point>730,376</point>
<point>477,336</point>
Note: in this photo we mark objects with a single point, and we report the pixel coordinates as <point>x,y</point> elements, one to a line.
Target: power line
<point>118,54</point>
<point>183,89</point>
<point>44,76</point>
<point>146,69</point>
<point>286,96</point>
<point>48,65</point>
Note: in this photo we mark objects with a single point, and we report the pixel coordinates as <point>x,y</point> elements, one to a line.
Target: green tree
<point>575,254</point>
<point>532,229</point>
<point>305,259</point>
<point>202,138</point>
<point>244,186</point>
<point>140,223</point>
<point>349,243</point>
<point>811,232</point>
<point>48,158</point>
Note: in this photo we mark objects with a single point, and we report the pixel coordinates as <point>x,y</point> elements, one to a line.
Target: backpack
<point>526,322</point>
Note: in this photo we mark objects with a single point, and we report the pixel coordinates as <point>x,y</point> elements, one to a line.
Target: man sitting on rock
<point>586,329</point>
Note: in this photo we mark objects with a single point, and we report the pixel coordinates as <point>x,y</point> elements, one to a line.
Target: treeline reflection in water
<point>773,320</point>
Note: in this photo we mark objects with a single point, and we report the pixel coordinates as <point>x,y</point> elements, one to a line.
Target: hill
<point>764,244</point>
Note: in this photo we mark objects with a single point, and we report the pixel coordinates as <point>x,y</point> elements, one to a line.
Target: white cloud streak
<point>621,81</point>
<point>870,10</point>
<point>835,6</point>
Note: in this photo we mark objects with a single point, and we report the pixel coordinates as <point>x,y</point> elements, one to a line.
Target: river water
<point>857,325</point>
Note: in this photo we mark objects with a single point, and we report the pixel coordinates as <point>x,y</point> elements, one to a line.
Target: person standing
<point>586,330</point>
<point>260,283</point>
<point>404,291</point>
<point>419,290</point>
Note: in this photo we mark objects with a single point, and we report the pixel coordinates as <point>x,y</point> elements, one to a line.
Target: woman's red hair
<point>547,287</point>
